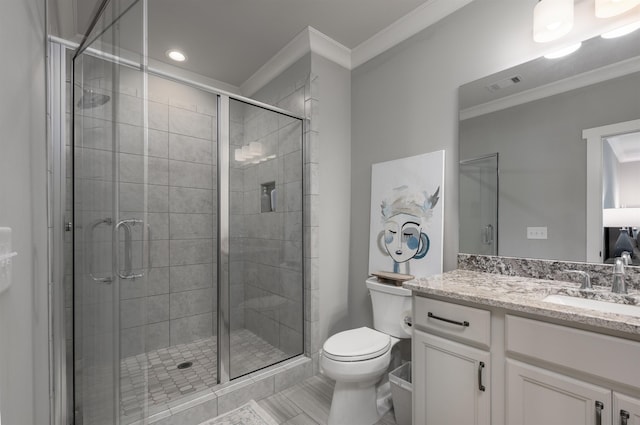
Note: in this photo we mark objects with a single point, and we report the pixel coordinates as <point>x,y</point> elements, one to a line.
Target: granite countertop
<point>523,294</point>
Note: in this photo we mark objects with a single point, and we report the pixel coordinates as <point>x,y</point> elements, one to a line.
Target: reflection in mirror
<point>533,116</point>
<point>479,205</point>
<point>621,196</point>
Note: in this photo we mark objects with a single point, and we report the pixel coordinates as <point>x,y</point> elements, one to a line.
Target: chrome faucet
<point>586,279</point>
<point>619,283</point>
<point>626,258</point>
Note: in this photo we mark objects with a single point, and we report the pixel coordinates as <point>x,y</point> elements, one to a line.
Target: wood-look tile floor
<point>307,403</point>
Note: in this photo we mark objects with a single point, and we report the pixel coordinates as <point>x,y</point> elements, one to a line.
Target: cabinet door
<point>536,396</point>
<point>626,410</point>
<point>451,382</point>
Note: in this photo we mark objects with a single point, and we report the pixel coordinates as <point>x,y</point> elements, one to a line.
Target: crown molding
<point>328,48</point>
<point>615,70</point>
<point>312,40</point>
<point>308,40</point>
<point>278,63</point>
<point>409,25</point>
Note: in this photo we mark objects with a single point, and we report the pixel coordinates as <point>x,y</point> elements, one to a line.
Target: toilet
<point>358,359</point>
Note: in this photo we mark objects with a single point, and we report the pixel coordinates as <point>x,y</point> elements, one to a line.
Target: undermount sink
<point>604,306</point>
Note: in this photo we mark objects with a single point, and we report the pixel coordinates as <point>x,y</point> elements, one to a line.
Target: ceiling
<point>229,40</point>
<point>626,146</point>
<point>542,74</point>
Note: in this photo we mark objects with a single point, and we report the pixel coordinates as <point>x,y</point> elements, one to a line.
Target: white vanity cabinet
<point>535,394</point>
<point>490,366</point>
<point>539,396</point>
<point>450,378</point>
<point>626,409</point>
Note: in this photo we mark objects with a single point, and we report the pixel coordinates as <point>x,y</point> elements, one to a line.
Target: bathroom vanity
<point>489,349</point>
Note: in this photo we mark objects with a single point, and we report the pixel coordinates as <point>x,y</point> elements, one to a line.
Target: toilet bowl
<point>358,359</point>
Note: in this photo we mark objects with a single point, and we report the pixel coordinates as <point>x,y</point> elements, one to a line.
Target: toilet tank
<point>391,304</point>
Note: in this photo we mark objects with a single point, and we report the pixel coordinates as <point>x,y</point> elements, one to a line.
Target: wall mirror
<point>534,141</point>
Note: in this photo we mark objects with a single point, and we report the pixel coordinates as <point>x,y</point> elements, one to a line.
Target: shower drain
<point>185,365</point>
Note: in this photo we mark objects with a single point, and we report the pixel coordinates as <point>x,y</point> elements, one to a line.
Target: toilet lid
<point>356,344</point>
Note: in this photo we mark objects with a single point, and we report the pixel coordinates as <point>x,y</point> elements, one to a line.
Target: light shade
<point>564,51</point>
<point>624,30</point>
<point>552,19</point>
<point>255,148</point>
<point>621,217</point>
<point>246,152</point>
<point>609,8</point>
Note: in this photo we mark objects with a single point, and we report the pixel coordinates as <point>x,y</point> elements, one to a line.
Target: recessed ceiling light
<point>176,55</point>
<point>624,30</point>
<point>563,52</point>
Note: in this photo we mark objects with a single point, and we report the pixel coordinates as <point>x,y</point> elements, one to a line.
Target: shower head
<point>91,99</point>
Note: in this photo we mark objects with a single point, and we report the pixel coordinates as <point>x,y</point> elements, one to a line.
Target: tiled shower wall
<point>296,90</point>
<point>268,244</point>
<point>177,303</point>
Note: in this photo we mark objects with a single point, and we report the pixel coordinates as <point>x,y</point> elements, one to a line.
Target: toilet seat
<point>356,345</point>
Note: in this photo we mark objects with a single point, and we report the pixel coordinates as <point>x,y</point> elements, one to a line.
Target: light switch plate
<point>536,233</point>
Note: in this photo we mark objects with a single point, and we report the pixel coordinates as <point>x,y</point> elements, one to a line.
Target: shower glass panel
<point>265,234</point>
<point>156,206</point>
<point>479,205</point>
<point>111,201</point>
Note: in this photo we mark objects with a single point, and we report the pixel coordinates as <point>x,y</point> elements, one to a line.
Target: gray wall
<point>334,209</point>
<point>404,102</point>
<point>543,169</point>
<point>24,397</point>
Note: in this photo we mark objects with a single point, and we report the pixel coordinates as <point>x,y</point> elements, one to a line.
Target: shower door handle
<point>128,242</point>
<point>488,234</point>
<point>106,279</point>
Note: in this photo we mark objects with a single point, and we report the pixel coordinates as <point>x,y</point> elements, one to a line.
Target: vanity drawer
<point>604,356</point>
<point>467,324</point>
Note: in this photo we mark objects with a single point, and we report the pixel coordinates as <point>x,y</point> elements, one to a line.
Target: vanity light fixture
<point>610,8</point>
<point>552,19</point>
<point>238,156</point>
<point>255,148</point>
<point>253,153</point>
<point>176,55</point>
<point>621,217</point>
<point>565,51</point>
<point>246,152</point>
<point>624,30</point>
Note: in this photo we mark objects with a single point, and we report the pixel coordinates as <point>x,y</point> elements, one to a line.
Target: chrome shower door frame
<point>62,415</point>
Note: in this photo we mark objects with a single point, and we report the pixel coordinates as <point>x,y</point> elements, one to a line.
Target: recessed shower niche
<point>268,196</point>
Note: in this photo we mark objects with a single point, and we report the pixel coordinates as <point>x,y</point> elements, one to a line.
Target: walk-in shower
<point>185,264</point>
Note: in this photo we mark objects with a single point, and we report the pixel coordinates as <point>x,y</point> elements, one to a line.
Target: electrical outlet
<point>536,233</point>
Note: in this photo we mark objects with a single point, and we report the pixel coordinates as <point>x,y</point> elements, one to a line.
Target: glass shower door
<point>479,205</point>
<point>265,234</point>
<point>112,252</point>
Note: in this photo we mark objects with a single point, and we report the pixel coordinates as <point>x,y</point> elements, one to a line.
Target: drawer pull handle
<point>624,417</point>
<point>455,322</point>
<point>480,386</point>
<point>599,407</point>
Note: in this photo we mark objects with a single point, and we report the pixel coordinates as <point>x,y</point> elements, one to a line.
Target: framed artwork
<point>406,227</point>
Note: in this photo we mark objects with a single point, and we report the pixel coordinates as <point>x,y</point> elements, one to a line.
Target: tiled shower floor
<point>167,383</point>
